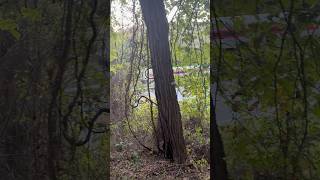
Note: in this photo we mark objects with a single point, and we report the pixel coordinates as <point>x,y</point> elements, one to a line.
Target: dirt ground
<point>145,165</point>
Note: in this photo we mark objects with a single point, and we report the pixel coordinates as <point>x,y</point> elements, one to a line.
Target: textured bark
<point>39,150</point>
<point>54,139</point>
<point>169,111</point>
<point>218,166</point>
<point>7,41</point>
<point>38,133</point>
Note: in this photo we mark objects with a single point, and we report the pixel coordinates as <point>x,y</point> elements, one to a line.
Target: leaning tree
<point>170,126</point>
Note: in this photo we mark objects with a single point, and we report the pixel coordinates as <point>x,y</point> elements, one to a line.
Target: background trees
<point>54,87</point>
<point>269,81</point>
<point>134,104</point>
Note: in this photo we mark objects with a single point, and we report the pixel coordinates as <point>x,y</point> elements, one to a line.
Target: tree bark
<point>54,138</point>
<point>170,123</point>
<point>218,168</point>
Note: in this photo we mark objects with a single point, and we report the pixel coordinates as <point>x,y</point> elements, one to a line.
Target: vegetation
<point>270,85</point>
<point>53,89</point>
<point>142,100</point>
<point>250,91</point>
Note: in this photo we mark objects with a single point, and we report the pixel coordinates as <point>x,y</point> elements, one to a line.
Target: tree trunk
<point>218,169</point>
<point>170,123</point>
<point>54,131</point>
<point>218,166</point>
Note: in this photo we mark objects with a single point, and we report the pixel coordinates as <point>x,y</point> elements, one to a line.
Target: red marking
<point>275,29</point>
<point>312,27</point>
<point>224,33</point>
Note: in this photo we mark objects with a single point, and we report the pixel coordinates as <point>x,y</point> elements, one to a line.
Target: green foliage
<point>135,157</point>
<point>200,164</point>
<point>140,119</point>
<point>268,138</point>
<point>32,14</point>
<point>189,43</point>
<point>10,26</point>
<point>33,64</point>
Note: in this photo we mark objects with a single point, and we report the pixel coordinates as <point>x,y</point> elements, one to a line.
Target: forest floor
<point>133,162</point>
<point>150,166</point>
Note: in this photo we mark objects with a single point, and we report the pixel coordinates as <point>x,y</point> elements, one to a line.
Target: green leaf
<point>316,111</point>
<point>10,26</point>
<point>32,14</point>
